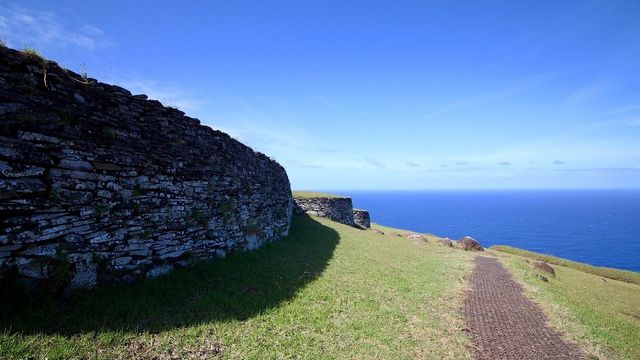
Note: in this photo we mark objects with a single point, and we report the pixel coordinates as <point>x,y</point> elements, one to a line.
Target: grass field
<point>315,194</point>
<point>609,273</point>
<point>327,291</point>
<point>600,314</point>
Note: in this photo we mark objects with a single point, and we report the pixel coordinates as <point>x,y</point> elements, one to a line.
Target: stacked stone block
<point>97,184</point>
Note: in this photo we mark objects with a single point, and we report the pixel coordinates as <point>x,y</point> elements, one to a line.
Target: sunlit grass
<point>315,194</point>
<point>327,291</point>
<point>622,275</point>
<point>602,315</point>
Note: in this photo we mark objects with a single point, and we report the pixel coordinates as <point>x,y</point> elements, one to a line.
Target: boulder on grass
<point>446,242</point>
<point>542,278</point>
<point>377,231</point>
<point>414,236</point>
<point>469,243</point>
<point>544,267</point>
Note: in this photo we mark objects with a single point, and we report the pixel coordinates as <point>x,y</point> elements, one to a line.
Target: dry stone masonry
<point>361,218</point>
<point>338,209</point>
<point>97,184</point>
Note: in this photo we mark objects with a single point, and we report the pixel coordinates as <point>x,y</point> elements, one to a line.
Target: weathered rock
<point>120,187</point>
<point>35,137</point>
<point>106,166</point>
<point>18,188</point>
<point>542,278</point>
<point>159,271</point>
<point>19,170</point>
<point>338,209</point>
<point>75,164</point>
<point>361,218</point>
<point>544,267</point>
<point>469,243</point>
<point>85,273</point>
<point>446,242</point>
<point>377,231</point>
<point>415,236</point>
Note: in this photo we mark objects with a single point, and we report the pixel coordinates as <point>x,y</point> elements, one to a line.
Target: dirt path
<point>504,324</point>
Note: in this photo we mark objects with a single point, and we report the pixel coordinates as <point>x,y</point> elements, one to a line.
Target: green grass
<point>399,232</point>
<point>603,316</point>
<point>33,53</point>
<point>326,291</point>
<point>315,194</point>
<point>609,273</point>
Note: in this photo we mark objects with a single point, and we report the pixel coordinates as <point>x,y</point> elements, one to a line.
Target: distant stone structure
<point>361,218</point>
<point>97,184</point>
<point>338,209</point>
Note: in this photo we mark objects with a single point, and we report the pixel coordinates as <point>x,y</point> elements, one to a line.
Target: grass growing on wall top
<point>326,291</point>
<point>315,194</point>
<point>616,274</point>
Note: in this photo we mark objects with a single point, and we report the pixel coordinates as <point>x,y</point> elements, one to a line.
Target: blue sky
<point>378,94</point>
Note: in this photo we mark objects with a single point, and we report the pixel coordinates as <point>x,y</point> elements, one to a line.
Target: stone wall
<point>99,185</point>
<point>361,218</point>
<point>336,209</point>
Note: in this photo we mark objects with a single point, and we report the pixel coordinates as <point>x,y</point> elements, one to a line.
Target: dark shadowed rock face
<point>469,243</point>
<point>336,209</point>
<point>97,184</point>
<point>361,218</point>
<point>544,267</point>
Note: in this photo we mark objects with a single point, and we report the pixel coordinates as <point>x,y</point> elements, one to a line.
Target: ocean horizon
<point>597,227</point>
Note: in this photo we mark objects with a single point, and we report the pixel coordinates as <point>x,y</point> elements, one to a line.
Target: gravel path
<point>504,324</point>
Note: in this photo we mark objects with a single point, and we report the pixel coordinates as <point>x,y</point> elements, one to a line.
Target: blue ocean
<point>598,227</point>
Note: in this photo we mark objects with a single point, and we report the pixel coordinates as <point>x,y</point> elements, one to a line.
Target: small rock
<point>86,273</point>
<point>74,197</point>
<point>377,231</point>
<point>12,188</point>
<point>79,98</point>
<point>75,164</point>
<point>469,243</point>
<point>414,236</point>
<point>30,136</point>
<point>106,166</point>
<point>46,250</point>
<point>446,242</point>
<point>542,278</point>
<point>19,170</point>
<point>159,270</point>
<point>544,267</point>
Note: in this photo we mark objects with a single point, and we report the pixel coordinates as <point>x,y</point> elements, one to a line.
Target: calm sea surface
<point>599,227</point>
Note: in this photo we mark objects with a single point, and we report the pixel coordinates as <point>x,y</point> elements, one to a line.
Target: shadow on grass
<point>235,288</point>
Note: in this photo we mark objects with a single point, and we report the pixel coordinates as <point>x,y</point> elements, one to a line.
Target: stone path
<point>504,324</point>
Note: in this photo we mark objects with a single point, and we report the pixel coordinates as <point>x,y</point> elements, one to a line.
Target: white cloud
<point>21,27</point>
<point>586,94</point>
<point>510,89</point>
<point>167,95</point>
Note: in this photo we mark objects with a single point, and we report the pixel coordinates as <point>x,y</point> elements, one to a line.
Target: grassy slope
<point>315,194</point>
<point>602,315</point>
<point>622,275</point>
<point>327,291</point>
